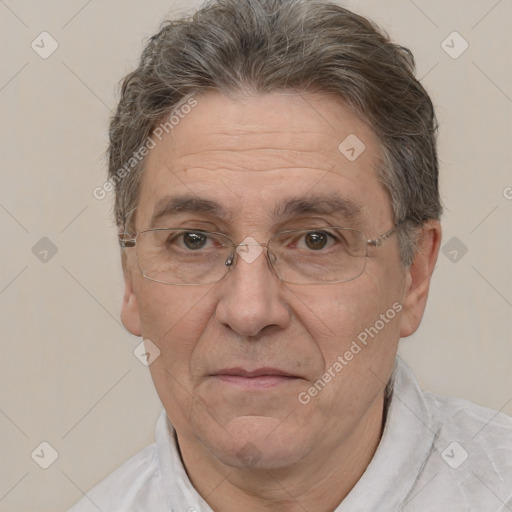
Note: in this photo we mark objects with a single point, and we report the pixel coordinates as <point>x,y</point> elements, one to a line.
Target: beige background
<point>68,374</point>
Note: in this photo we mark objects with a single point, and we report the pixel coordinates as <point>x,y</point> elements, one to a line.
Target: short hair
<point>263,46</point>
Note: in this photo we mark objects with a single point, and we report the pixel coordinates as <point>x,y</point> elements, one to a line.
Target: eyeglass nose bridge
<point>230,261</point>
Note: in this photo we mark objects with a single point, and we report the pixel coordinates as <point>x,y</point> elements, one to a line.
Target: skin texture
<point>261,449</point>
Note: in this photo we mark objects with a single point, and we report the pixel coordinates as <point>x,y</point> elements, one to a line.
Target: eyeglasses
<point>192,257</point>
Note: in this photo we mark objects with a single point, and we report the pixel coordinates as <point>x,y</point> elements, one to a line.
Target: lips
<point>260,378</point>
<point>260,372</point>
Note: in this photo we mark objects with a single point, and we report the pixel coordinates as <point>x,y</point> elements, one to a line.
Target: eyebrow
<point>325,204</point>
<point>186,204</point>
<point>319,204</point>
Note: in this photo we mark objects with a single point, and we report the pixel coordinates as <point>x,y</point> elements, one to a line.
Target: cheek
<point>358,347</point>
<point>173,318</point>
<point>354,314</point>
<point>336,313</point>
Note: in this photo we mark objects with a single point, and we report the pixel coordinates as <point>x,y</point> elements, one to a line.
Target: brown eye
<point>316,240</point>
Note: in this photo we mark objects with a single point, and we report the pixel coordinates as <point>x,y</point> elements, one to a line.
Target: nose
<point>251,295</point>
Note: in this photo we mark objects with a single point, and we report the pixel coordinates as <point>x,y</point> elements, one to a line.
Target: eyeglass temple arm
<point>377,242</point>
<point>126,242</point>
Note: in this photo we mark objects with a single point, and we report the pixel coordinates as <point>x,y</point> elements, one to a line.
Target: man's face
<point>253,156</point>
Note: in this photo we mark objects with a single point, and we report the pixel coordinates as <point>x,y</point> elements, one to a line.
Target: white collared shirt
<point>436,454</point>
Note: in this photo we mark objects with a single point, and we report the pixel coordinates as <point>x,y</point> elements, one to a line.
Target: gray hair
<point>264,46</point>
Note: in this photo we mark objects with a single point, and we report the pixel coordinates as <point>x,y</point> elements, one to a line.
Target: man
<point>277,199</point>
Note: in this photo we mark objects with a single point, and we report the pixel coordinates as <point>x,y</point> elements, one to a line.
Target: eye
<point>189,241</point>
<point>316,240</point>
<point>194,241</point>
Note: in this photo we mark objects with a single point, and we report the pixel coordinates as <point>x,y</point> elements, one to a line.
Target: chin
<point>259,442</point>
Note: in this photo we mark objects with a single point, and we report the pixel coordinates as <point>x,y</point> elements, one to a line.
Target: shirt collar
<point>405,445</point>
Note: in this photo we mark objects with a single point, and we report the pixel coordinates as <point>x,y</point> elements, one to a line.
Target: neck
<point>319,482</point>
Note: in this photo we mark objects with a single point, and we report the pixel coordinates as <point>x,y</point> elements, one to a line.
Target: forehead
<point>249,154</point>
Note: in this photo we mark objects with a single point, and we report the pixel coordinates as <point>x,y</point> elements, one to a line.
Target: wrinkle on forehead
<point>264,146</point>
<point>261,152</point>
<point>294,129</point>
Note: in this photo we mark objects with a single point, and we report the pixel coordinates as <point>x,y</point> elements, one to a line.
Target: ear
<point>130,307</point>
<point>418,275</point>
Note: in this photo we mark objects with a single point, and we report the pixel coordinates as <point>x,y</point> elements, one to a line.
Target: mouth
<point>260,378</point>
